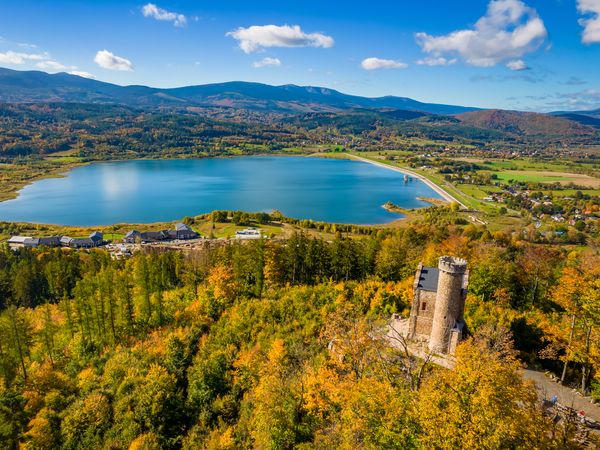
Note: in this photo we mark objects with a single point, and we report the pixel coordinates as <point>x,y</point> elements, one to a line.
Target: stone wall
<point>423,307</point>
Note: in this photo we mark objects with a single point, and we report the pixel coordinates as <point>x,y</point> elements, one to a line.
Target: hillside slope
<point>527,124</point>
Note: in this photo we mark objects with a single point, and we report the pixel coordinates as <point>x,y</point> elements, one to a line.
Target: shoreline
<point>63,170</point>
<point>443,193</point>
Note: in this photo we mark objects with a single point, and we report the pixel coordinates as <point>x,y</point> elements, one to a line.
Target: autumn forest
<point>229,346</point>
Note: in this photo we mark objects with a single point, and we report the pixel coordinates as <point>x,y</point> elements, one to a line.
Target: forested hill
<point>103,131</point>
<point>256,105</point>
<point>41,87</point>
<point>530,124</point>
<point>227,346</point>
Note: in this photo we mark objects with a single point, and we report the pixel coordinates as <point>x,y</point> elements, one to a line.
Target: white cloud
<point>151,10</point>
<point>266,62</point>
<point>436,61</point>
<point>81,73</point>
<point>11,57</point>
<point>42,60</point>
<point>517,65</point>
<point>509,30</point>
<point>591,24</point>
<point>257,37</point>
<point>53,65</point>
<point>378,63</point>
<point>587,99</point>
<point>108,60</point>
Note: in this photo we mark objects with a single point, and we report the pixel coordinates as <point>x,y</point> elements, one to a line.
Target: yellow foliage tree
<point>575,336</point>
<point>276,403</point>
<point>146,441</point>
<point>220,291</point>
<point>482,403</point>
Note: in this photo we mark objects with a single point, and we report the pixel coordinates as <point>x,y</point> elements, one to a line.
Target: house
<point>152,236</point>
<point>181,231</point>
<point>248,233</point>
<point>51,241</point>
<point>30,242</point>
<point>18,241</point>
<point>185,232</point>
<point>135,236</point>
<point>94,240</point>
<point>97,238</point>
<point>82,243</point>
<point>66,241</point>
<point>132,237</point>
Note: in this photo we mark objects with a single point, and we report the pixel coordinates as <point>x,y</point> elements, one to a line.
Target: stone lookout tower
<point>438,305</point>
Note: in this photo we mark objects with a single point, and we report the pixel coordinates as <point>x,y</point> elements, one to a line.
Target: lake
<point>144,191</point>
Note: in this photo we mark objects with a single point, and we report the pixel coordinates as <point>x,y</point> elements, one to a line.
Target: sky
<point>539,55</point>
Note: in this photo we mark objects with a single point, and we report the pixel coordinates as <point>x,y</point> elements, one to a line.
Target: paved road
<point>445,194</point>
<point>566,397</point>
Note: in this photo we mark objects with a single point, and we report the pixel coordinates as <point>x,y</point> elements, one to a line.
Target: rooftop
<point>428,281</point>
<point>18,239</point>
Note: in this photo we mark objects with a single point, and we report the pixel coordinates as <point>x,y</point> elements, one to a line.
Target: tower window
<point>423,306</point>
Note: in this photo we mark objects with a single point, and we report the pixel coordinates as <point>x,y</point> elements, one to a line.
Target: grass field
<point>478,192</point>
<point>571,192</point>
<point>548,177</point>
<point>227,230</point>
<point>113,236</point>
<point>529,164</point>
<point>498,223</point>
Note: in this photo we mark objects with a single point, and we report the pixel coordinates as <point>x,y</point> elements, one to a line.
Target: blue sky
<point>530,55</point>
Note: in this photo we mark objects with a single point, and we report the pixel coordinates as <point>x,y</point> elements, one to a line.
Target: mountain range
<point>41,87</point>
<point>315,103</point>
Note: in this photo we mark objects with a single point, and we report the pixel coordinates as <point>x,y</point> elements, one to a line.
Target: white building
<point>248,233</point>
<point>19,241</point>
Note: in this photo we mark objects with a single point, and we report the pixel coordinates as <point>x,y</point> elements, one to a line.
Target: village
<point>561,205</point>
<point>181,236</point>
<point>577,211</point>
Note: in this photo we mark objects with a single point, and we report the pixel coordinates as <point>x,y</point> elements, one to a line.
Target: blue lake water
<point>145,191</point>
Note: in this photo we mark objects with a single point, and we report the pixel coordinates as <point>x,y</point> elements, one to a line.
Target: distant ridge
<point>530,124</point>
<point>41,87</point>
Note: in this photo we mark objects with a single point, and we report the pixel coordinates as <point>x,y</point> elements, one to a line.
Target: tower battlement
<point>451,264</point>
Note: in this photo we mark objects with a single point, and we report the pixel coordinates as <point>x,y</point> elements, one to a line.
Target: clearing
<point>549,177</point>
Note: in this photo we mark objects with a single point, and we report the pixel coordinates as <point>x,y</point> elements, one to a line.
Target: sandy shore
<point>444,194</point>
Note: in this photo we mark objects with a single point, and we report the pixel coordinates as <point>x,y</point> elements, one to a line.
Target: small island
<point>392,207</point>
